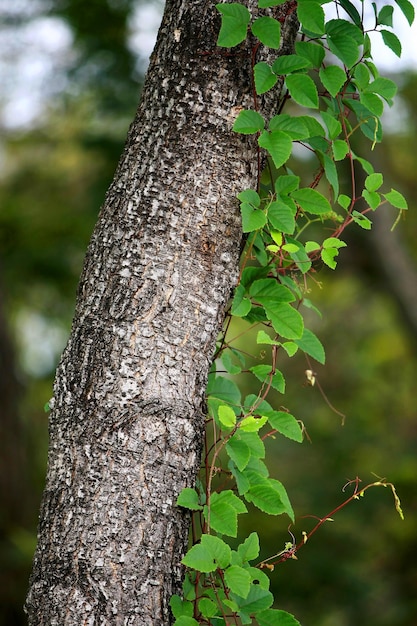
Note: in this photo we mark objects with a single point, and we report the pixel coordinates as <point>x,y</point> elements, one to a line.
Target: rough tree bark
<point>127,417</point>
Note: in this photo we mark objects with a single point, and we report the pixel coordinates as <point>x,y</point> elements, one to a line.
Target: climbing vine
<point>330,90</point>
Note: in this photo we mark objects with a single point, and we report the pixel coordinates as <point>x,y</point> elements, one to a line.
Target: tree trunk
<point>127,418</point>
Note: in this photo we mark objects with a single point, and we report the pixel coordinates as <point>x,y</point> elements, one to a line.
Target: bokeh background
<point>70,79</point>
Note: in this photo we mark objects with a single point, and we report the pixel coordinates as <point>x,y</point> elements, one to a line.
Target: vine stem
<point>357,493</point>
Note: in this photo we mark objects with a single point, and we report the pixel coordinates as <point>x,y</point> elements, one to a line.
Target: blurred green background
<point>71,73</point>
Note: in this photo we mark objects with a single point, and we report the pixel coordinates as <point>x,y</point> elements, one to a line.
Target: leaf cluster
<point>332,90</point>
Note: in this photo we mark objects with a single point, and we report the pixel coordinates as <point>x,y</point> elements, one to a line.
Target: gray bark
<point>127,418</point>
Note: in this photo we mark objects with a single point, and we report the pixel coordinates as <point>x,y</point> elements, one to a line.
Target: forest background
<point>71,74</point>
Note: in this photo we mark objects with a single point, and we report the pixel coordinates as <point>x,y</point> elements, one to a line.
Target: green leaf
<point>333,242</point>
<point>391,41</point>
<point>396,199</point>
<point>207,555</point>
<point>265,78</point>
<point>227,361</point>
<point>286,424</point>
<point>328,257</point>
<point>303,90</point>
<point>224,509</point>
<point>372,198</point>
<point>278,144</point>
<point>340,149</point>
<point>252,424</point>
<point>315,129</point>
<point>268,291</point>
<point>295,127</point>
<point>345,28</point>
<point>333,125</point>
<point>274,297</point>
<point>313,52</point>
<point>256,465</point>
<point>188,498</point>
<point>310,344</point>
<point>235,21</point>
<point>268,31</point>
<point>242,482</point>
<point>385,15</point>
<point>184,620</point>
<point>309,305</point>
<point>344,201</point>
<point>361,76</point>
<point>248,122</point>
<point>180,607</point>
<point>373,182</point>
<point>276,617</point>
<point>263,337</point>
<point>311,16</point>
<point>238,451</point>
<point>311,201</point>
<point>407,8</point>
<point>286,320</point>
<point>333,79</point>
<point>207,607</point>
<point>259,577</point>
<point>221,390</point>
<point>383,87</point>
<point>254,443</point>
<point>258,599</point>
<point>281,217</point>
<point>298,254</point>
<point>263,373</point>
<point>363,221</point>
<point>240,305</point>
<point>251,196</point>
<point>238,580</point>
<point>267,496</point>
<point>352,11</point>
<point>331,173</point>
<point>227,416</point>
<point>343,39</point>
<point>264,4</point>
<point>310,246</point>
<point>188,587</point>
<point>250,274</point>
<point>370,125</point>
<point>252,219</point>
<point>288,63</point>
<point>249,549</point>
<point>286,183</point>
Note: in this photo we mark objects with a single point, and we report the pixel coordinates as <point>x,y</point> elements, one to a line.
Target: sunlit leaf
<point>396,199</point>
